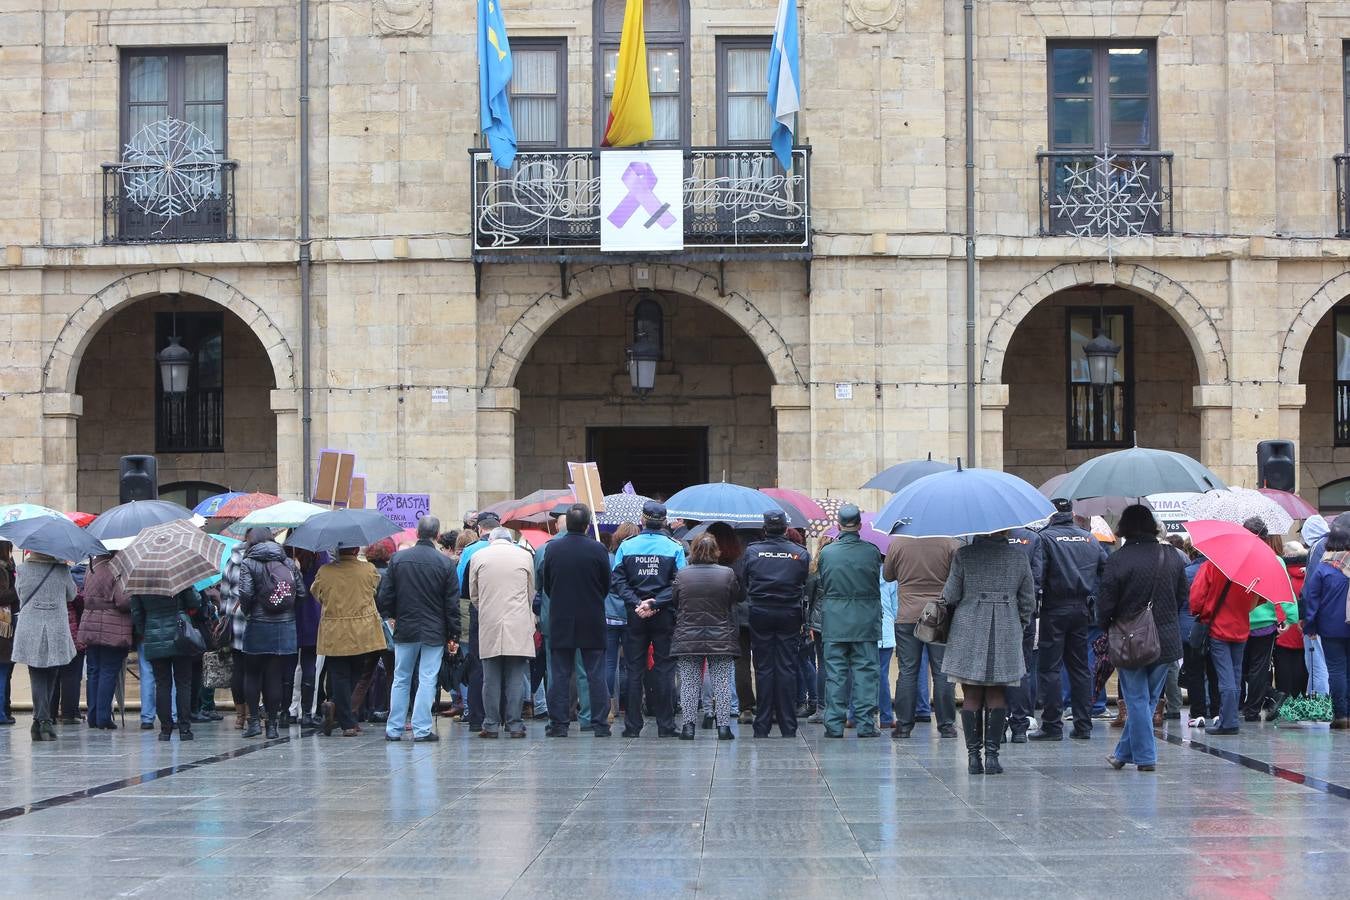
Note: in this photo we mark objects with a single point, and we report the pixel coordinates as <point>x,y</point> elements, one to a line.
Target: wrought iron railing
<point>1342,418</point>
<point>129,219</point>
<point>1342,186</point>
<point>1116,194</point>
<point>550,200</point>
<point>1099,417</point>
<point>191,422</point>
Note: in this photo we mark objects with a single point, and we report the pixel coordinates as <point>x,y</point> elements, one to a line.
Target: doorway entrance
<point>658,461</point>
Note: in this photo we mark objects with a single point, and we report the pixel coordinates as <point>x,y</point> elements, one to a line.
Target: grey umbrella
<point>1138,472</point>
<point>130,519</point>
<point>59,538</point>
<point>342,528</point>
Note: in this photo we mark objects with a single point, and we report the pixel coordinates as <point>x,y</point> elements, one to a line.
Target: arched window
<point>190,493</point>
<point>667,26</point>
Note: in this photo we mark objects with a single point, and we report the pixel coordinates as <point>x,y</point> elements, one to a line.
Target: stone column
<point>496,476</point>
<point>1214,402</point>
<point>290,463</point>
<point>993,401</point>
<point>792,417</point>
<point>60,451</point>
<point>1292,399</point>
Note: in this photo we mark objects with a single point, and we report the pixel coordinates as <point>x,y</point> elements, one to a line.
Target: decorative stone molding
<point>1331,292</point>
<point>401,17</point>
<point>874,16</point>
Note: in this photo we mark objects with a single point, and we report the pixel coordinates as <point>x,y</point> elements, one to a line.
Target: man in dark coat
<point>773,572</point>
<point>420,592</point>
<point>575,577</point>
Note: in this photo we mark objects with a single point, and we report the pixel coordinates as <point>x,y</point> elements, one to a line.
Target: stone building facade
<point>473,375</point>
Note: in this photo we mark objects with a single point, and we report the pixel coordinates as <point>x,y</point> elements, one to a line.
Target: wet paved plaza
<point>583,817</point>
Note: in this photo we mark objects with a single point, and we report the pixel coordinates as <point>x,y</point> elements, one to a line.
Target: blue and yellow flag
<point>494,77</point>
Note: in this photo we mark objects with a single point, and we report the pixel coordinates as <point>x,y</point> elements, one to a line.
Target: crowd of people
<point>720,625</point>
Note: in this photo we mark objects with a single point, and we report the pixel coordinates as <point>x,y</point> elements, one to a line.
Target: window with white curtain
<point>539,92</point>
<point>666,23</point>
<point>742,86</point>
<point>182,83</point>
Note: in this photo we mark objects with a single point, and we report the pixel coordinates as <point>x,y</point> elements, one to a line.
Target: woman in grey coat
<point>992,598</point>
<point>42,638</point>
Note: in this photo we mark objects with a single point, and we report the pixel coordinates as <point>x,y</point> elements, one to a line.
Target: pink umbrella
<point>1293,504</point>
<point>1243,558</point>
<point>808,507</point>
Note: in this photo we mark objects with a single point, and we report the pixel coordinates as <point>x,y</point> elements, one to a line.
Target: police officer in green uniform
<point>850,584</point>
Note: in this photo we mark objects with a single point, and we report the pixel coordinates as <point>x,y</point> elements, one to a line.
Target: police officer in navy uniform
<point>773,572</point>
<point>644,569</point>
<point>1072,561</point>
<point>1022,697</point>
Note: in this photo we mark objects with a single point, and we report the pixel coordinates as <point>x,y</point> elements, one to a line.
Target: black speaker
<point>138,479</point>
<point>1275,465</point>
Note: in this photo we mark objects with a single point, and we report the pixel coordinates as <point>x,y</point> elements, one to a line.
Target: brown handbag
<point>934,622</point>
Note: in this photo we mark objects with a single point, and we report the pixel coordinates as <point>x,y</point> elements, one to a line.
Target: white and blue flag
<point>494,77</point>
<point>785,84</point>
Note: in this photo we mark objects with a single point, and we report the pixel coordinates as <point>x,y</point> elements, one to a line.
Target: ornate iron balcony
<point>550,200</point>
<point>1111,195</point>
<point>1342,186</point>
<point>142,205</point>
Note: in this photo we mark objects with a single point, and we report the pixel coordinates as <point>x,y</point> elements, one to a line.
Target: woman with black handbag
<point>171,642</point>
<point>1143,587</point>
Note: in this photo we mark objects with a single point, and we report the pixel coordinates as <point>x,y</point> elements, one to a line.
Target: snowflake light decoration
<point>1108,197</point>
<point>169,168</point>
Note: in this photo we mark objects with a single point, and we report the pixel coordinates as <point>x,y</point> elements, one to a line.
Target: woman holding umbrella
<point>1142,574</point>
<point>269,587</point>
<point>1324,615</point>
<point>42,638</point>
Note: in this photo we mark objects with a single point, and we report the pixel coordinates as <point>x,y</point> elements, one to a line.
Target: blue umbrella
<point>211,505</point>
<point>227,547</point>
<point>59,538</point>
<point>722,502</point>
<point>962,502</point>
<point>899,476</point>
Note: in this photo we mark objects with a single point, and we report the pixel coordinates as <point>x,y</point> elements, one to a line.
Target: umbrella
<point>342,528</point>
<point>795,517</point>
<point>963,502</point>
<point>286,514</point>
<point>535,507</point>
<point>869,532</point>
<point>720,501</point>
<point>830,506</point>
<point>211,505</point>
<point>240,506</point>
<point>1101,530</point>
<point>82,519</point>
<point>130,519</point>
<point>165,559</point>
<point>808,507</point>
<point>227,547</point>
<point>1237,505</point>
<point>1092,506</point>
<point>17,512</point>
<point>1243,558</point>
<point>534,537</point>
<point>897,477</point>
<point>622,509</point>
<point>58,537</point>
<point>1293,504</point>
<point>1138,472</point>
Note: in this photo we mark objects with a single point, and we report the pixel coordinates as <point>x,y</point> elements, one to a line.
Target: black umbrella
<point>341,528</point>
<point>58,538</point>
<point>130,519</point>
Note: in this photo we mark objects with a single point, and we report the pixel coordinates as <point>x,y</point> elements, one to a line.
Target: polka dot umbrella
<point>830,506</point>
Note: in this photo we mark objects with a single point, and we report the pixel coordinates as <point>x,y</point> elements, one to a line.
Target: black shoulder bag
<point>1133,641</point>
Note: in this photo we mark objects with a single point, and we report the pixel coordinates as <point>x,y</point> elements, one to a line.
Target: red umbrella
<point>81,518</point>
<point>535,538</point>
<point>243,505</point>
<point>1243,558</point>
<point>1293,504</point>
<point>531,505</point>
<point>809,508</point>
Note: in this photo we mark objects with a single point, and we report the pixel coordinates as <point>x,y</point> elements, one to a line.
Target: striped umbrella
<point>244,504</point>
<point>165,559</point>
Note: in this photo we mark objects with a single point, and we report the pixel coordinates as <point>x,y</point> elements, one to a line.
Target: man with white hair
<point>501,586</point>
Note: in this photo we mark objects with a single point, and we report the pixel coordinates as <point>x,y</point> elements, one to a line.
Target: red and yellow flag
<point>630,110</point>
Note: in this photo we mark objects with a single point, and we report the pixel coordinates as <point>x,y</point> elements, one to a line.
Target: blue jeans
<point>147,676</point>
<point>1228,666</point>
<point>583,692</point>
<point>923,702</point>
<point>6,674</point>
<point>1337,651</point>
<point>1315,658</point>
<point>104,666</point>
<point>613,641</point>
<point>884,695</point>
<point>427,659</point>
<point>1141,689</point>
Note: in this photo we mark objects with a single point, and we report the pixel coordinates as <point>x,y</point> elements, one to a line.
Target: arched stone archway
<point>63,406</point>
<point>1309,315</point>
<point>1180,304</point>
<point>1313,393</point>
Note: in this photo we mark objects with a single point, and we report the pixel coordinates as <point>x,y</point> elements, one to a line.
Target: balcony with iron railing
<point>160,206</point>
<point>1117,194</point>
<point>1342,161</point>
<point>735,199</point>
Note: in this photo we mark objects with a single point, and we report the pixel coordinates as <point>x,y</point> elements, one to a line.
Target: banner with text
<point>641,200</point>
<point>403,509</point>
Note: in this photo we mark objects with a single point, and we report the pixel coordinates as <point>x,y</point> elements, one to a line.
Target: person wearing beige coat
<point>501,585</point>
<point>350,634</point>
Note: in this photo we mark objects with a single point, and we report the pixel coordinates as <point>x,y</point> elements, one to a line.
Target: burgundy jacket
<point>107,610</point>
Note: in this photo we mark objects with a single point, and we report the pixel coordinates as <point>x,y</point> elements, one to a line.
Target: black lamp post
<point>175,363</point>
<point>1101,353</point>
<point>645,351</point>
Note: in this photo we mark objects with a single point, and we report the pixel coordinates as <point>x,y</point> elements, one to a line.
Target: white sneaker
<point>1214,722</point>
<point>1197,722</point>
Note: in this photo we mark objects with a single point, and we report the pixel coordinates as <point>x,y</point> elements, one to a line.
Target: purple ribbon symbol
<point>640,179</point>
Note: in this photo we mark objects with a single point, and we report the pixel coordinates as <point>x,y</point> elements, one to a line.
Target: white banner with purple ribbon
<point>641,200</point>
